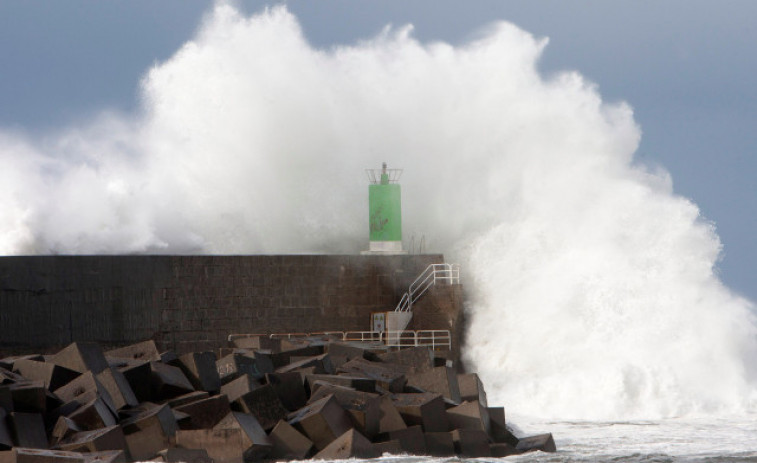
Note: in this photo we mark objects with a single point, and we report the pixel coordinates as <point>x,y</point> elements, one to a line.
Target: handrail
<point>339,334</point>
<point>402,338</point>
<point>362,336</point>
<point>421,338</point>
<point>438,338</point>
<point>234,336</point>
<point>288,335</point>
<point>447,273</point>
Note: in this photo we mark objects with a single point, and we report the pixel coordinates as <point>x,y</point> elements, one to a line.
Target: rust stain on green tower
<point>385,210</point>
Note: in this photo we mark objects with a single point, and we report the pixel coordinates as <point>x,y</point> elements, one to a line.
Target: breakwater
<point>192,303</point>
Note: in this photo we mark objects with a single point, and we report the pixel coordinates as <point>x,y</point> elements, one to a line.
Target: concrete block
<point>258,343</point>
<point>390,447</point>
<point>264,404</point>
<point>186,399</point>
<point>337,361</point>
<point>205,413</point>
<point>138,374</point>
<point>109,438</point>
<point>289,388</point>
<point>84,389</point>
<point>235,365</point>
<point>167,381</point>
<point>168,357</point>
<point>390,418</point>
<point>499,431</point>
<point>143,351</point>
<point>239,387</point>
<point>439,444</point>
<point>321,421</point>
<point>304,372</point>
<point>119,363</point>
<point>139,410</point>
<point>471,388</point>
<point>6,398</point>
<point>8,377</point>
<point>318,385</point>
<point>183,420</point>
<point>441,361</point>
<point>263,363</point>
<point>200,369</point>
<point>6,439</point>
<point>9,362</point>
<point>471,443</point>
<point>27,430</point>
<point>222,352</point>
<point>81,357</point>
<point>543,442</point>
<point>283,358</point>
<point>350,350</point>
<point>469,415</point>
<point>355,382</point>
<point>258,444</point>
<point>33,455</point>
<point>502,450</point>
<point>118,388</point>
<point>30,397</point>
<point>180,455</point>
<point>63,428</point>
<point>351,444</point>
<point>149,431</point>
<point>288,443</point>
<point>416,358</point>
<point>66,409</point>
<point>106,456</point>
<point>439,379</point>
<point>221,445</point>
<point>93,415</point>
<point>364,408</point>
<point>52,375</point>
<point>288,344</point>
<point>426,409</point>
<point>385,376</point>
<point>321,363</point>
<point>411,440</point>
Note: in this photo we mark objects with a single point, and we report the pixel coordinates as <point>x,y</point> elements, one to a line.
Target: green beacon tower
<point>384,211</point>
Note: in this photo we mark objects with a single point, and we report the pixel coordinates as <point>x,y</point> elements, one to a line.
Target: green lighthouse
<point>384,211</point>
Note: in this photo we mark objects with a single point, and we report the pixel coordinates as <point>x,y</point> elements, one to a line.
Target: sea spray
<point>593,286</point>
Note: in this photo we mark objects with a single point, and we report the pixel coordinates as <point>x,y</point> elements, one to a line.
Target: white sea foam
<point>593,286</point>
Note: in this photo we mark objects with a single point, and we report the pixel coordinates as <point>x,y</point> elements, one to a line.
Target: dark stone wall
<point>441,308</point>
<point>192,303</point>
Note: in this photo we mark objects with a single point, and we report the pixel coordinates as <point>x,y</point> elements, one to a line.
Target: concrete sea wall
<point>192,303</point>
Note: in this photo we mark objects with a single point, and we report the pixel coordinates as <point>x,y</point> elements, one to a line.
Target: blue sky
<point>686,67</point>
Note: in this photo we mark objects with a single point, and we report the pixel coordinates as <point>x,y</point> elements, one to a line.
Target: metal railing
<point>442,273</point>
<point>362,336</point>
<point>433,338</point>
<point>436,339</point>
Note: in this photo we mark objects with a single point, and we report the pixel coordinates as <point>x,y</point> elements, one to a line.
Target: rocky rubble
<point>262,399</point>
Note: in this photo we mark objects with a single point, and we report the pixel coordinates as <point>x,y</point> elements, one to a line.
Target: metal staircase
<point>435,273</point>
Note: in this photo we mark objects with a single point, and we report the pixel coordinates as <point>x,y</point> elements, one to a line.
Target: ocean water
<point>711,440</point>
<point>706,439</point>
